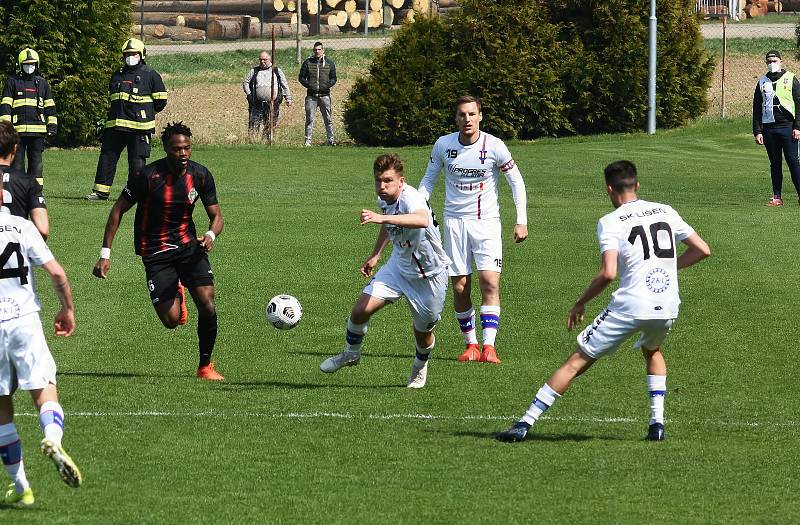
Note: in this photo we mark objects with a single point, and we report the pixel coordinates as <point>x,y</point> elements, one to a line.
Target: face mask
<point>132,60</point>
<point>28,68</point>
<point>774,67</point>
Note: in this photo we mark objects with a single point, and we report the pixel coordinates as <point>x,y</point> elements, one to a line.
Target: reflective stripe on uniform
<point>134,99</point>
<point>31,128</point>
<point>20,102</point>
<point>49,103</point>
<point>122,123</point>
<point>159,95</point>
<point>5,118</point>
<point>102,188</point>
<point>7,100</point>
<point>52,120</point>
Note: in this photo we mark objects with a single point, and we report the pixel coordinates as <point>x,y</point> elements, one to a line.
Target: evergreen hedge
<point>541,67</point>
<point>79,44</point>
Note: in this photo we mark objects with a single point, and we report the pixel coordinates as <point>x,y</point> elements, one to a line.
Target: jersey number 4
<point>658,250</point>
<point>21,271</point>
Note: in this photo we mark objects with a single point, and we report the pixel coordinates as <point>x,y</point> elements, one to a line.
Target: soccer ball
<point>284,312</point>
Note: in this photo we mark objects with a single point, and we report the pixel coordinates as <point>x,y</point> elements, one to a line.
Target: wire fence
<point>738,33</point>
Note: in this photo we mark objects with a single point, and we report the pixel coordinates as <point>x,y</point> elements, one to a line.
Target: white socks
<point>11,454</point>
<point>657,388</point>
<point>490,322</point>
<point>466,321</point>
<point>544,399</point>
<point>354,336</point>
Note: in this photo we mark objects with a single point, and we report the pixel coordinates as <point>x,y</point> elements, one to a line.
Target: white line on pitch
<point>423,417</point>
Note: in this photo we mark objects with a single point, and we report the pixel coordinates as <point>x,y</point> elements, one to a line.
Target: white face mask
<point>28,68</point>
<point>132,60</point>
<point>774,67</point>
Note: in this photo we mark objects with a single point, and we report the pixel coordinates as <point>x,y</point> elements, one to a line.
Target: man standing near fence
<point>318,76</point>
<point>776,125</point>
<point>258,85</point>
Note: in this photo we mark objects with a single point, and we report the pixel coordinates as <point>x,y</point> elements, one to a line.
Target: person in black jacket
<point>318,76</point>
<point>27,103</point>
<point>22,194</point>
<point>776,126</point>
<point>136,93</point>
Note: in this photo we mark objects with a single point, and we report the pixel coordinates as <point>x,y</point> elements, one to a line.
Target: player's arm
<point>604,277</point>
<point>64,322</point>
<point>696,251</point>
<point>431,173</point>
<point>380,244</point>
<point>41,220</point>
<point>216,223</point>
<point>514,179</point>
<point>416,219</point>
<point>112,225</point>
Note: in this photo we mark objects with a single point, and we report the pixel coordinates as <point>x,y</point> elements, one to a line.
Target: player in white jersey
<point>25,360</point>
<point>472,161</point>
<point>640,238</point>
<point>416,269</point>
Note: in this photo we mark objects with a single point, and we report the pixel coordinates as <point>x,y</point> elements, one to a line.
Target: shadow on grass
<point>367,355</point>
<point>122,375</point>
<point>245,385</point>
<point>540,437</point>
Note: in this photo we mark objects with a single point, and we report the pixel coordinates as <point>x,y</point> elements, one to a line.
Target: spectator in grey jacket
<point>318,76</point>
<point>256,85</point>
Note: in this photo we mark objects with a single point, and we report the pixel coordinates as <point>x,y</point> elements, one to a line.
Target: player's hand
<point>760,139</point>
<point>368,266</point>
<point>64,323</point>
<point>520,232</point>
<point>368,216</point>
<point>101,268</point>
<point>206,242</point>
<point>795,135</point>
<point>575,316</point>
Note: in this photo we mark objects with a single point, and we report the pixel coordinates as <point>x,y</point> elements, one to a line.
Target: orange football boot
<point>489,355</point>
<point>470,354</point>
<point>209,373</point>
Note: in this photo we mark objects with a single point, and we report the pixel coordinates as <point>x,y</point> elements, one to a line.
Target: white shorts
<point>607,332</point>
<point>425,296</point>
<point>25,360</point>
<point>467,239</point>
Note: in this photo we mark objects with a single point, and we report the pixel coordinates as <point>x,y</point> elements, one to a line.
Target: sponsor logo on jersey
<point>472,173</point>
<point>657,280</point>
<point>193,195</point>
<point>9,309</point>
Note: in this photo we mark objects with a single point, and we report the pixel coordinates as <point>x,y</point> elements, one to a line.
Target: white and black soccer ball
<point>284,312</point>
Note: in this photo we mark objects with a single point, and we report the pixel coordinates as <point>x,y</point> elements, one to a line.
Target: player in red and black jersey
<point>165,193</point>
<point>22,193</point>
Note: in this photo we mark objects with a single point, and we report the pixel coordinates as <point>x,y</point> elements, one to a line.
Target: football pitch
<point>281,442</point>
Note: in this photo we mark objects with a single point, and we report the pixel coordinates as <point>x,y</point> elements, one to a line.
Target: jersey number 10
<point>659,251</point>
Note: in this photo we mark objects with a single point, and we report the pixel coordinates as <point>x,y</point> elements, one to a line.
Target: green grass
<point>749,46</point>
<point>267,446</point>
<point>785,17</point>
<point>181,70</point>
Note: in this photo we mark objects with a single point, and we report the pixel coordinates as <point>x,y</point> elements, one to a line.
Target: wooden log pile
<point>239,19</point>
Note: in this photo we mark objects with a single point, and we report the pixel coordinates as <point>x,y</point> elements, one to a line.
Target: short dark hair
<point>621,175</point>
<point>175,128</point>
<point>467,99</point>
<point>386,162</point>
<point>319,44</point>
<point>8,138</point>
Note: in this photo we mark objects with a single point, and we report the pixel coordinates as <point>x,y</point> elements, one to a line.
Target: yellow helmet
<point>28,56</point>
<point>134,45</point>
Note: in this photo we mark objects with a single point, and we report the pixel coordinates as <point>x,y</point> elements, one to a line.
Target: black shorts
<point>189,264</point>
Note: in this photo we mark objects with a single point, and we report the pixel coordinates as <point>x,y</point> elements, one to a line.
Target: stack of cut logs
<point>185,20</point>
<point>752,9</point>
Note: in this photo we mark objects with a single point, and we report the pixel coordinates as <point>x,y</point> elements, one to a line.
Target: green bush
<point>541,67</point>
<point>79,44</point>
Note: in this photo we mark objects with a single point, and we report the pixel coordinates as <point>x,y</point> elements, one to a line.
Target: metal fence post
<point>724,59</point>
<point>651,73</point>
<point>205,38</point>
<point>299,31</point>
<point>141,22</point>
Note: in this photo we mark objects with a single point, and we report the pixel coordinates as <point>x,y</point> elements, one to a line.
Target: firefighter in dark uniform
<point>136,93</point>
<point>28,104</point>
<point>22,195</point>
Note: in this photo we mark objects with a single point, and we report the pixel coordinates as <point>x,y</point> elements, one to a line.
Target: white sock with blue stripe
<point>354,336</point>
<point>51,421</point>
<point>422,354</point>
<point>466,320</point>
<point>657,388</point>
<point>11,454</point>
<point>544,399</point>
<point>490,322</point>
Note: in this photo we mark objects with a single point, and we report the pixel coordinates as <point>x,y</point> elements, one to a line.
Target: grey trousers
<point>324,103</point>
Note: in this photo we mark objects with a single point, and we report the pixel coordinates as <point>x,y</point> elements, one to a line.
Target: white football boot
<point>346,358</point>
<point>418,377</point>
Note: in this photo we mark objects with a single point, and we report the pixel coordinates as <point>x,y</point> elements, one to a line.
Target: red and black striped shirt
<point>164,205</point>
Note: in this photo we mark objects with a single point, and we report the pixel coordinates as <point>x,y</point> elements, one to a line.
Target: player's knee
<point>207,309</point>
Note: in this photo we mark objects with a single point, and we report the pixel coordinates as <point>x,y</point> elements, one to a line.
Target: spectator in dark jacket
<point>318,76</point>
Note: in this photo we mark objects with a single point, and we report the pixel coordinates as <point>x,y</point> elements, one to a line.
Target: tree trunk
<point>349,6</point>
<point>408,15</point>
<point>235,7</point>
<point>354,19</point>
<point>397,4</point>
<point>224,30</point>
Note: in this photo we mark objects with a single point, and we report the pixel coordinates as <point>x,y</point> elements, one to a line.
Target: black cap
<point>773,53</point>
